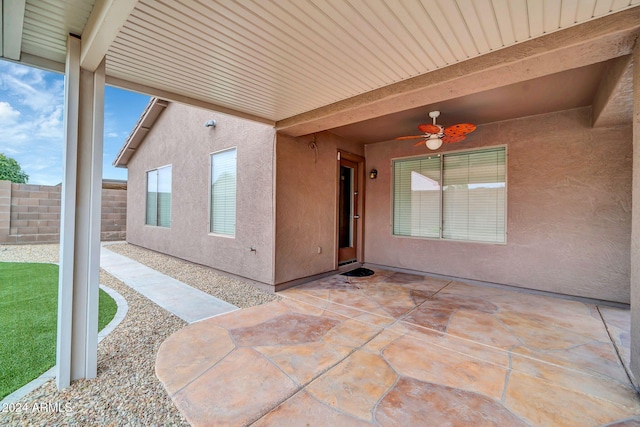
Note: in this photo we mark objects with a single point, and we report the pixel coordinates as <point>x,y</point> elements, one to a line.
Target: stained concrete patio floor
<point>400,349</point>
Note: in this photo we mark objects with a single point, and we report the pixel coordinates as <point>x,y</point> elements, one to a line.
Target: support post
<point>77,341</point>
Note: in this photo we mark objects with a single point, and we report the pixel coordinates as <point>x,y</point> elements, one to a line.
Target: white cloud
<point>51,125</point>
<point>8,115</point>
<point>30,87</point>
<point>8,151</point>
<point>31,119</point>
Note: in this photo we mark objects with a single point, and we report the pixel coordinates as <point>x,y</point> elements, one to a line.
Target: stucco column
<point>77,342</point>
<point>635,220</point>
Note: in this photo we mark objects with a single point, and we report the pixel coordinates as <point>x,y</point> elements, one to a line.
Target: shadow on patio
<point>400,349</point>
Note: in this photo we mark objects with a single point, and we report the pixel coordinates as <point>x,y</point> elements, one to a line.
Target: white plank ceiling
<point>47,23</point>
<point>277,59</point>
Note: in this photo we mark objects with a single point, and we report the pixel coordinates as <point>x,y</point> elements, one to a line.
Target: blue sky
<point>32,122</point>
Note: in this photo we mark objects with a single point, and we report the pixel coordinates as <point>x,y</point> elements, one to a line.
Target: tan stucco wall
<point>306,204</point>
<point>568,202</point>
<point>180,139</point>
<point>635,242</point>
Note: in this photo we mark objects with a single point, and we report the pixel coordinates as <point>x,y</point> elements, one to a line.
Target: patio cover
<point>303,67</point>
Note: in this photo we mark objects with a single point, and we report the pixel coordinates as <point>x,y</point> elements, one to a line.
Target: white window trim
<point>209,232</point>
<point>146,186</point>
<point>441,154</point>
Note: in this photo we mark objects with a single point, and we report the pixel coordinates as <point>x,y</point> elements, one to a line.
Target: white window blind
<point>223,192</point>
<point>159,197</point>
<point>416,203</point>
<point>474,196</point>
<point>164,197</point>
<point>152,197</point>
<point>469,205</point>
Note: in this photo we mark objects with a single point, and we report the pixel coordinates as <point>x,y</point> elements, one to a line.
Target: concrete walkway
<point>189,304</point>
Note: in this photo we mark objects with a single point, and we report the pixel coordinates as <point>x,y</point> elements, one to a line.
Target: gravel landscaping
<point>126,391</point>
<point>29,253</point>
<point>229,289</point>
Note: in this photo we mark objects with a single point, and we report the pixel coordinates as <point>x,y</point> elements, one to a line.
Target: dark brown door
<point>348,211</point>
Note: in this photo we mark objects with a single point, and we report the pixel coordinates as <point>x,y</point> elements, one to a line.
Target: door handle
<point>356,217</point>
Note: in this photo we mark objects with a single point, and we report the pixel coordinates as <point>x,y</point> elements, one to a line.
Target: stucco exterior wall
<point>635,242</point>
<point>568,203</point>
<point>180,139</point>
<point>306,199</point>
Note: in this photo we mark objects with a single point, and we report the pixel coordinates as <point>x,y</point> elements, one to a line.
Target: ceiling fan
<point>434,135</point>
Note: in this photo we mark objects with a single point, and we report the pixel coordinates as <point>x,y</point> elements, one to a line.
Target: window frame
<point>210,193</point>
<point>146,201</point>
<point>441,155</point>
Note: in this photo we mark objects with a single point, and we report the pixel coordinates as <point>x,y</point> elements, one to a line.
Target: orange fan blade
<point>450,139</point>
<point>461,129</point>
<point>419,143</point>
<point>429,128</point>
<point>409,137</point>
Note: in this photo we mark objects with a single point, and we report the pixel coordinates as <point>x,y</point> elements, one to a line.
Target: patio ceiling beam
<point>613,102</point>
<point>11,28</point>
<point>589,43</point>
<point>183,99</point>
<point>104,24</point>
<point>42,63</point>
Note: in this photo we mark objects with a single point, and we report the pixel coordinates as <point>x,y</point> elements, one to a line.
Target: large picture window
<point>159,197</point>
<point>456,196</point>
<point>223,192</point>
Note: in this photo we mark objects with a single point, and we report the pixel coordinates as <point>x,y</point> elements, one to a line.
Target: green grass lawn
<point>28,321</point>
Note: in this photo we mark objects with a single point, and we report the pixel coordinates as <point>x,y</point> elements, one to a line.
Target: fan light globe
<point>434,143</point>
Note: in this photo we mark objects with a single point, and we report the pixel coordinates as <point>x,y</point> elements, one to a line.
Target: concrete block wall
<point>5,210</point>
<point>31,213</point>
<point>114,214</point>
<point>35,213</point>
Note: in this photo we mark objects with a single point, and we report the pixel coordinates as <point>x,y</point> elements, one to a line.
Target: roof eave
<point>146,121</point>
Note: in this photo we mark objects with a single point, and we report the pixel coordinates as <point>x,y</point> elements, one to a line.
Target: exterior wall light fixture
<point>210,124</point>
<point>373,174</point>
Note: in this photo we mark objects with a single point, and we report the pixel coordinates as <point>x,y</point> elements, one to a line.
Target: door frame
<point>359,208</point>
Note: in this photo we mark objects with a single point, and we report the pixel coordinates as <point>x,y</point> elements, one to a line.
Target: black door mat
<point>359,272</point>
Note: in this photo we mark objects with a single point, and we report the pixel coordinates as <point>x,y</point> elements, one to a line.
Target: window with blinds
<point>457,196</point>
<point>159,197</point>
<point>223,192</point>
<point>416,204</point>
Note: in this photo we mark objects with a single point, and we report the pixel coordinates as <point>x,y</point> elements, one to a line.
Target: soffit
<point>47,24</point>
<point>280,59</point>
